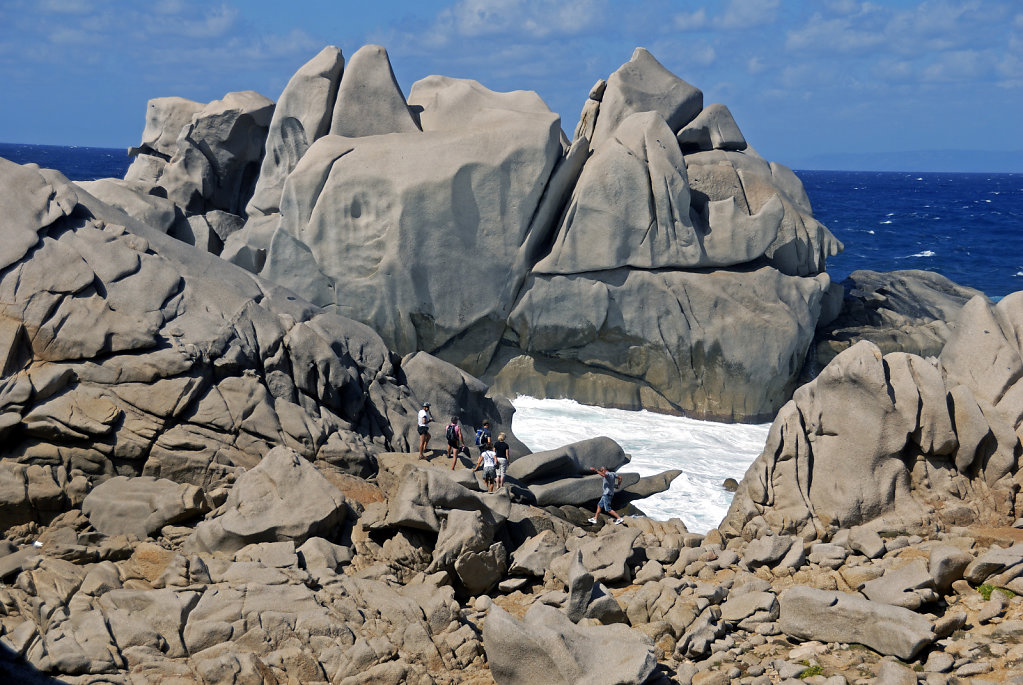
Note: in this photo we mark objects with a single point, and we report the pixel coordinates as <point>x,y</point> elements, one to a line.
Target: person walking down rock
<point>453,434</point>
<point>488,459</point>
<point>502,450</point>
<point>611,481</point>
<point>423,425</point>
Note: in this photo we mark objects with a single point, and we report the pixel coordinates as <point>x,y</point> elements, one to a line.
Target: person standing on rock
<point>488,459</point>
<point>453,434</point>
<point>502,450</point>
<point>611,481</point>
<point>423,422</point>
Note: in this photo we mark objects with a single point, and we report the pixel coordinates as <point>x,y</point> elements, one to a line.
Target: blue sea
<point>968,227</point>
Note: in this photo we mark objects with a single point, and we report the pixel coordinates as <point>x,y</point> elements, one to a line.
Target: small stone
<point>892,673</point>
<point>972,669</point>
<point>949,623</point>
<point>787,669</point>
<point>939,662</point>
<point>730,485</point>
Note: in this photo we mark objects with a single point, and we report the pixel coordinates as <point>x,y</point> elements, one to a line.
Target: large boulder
<point>141,506</point>
<point>899,311</point>
<point>546,647</point>
<point>302,115</point>
<point>369,100</point>
<point>569,460</point>
<point>643,85</point>
<point>810,614</point>
<point>165,119</point>
<point>380,213</point>
<point>218,154</point>
<point>739,191</point>
<point>282,498</point>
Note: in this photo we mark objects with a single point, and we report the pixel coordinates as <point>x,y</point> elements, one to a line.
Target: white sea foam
<point>887,221</point>
<point>705,451</point>
<point>925,253</point>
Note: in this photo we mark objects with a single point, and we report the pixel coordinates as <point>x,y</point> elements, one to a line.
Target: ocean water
<point>968,227</point>
<point>705,452</point>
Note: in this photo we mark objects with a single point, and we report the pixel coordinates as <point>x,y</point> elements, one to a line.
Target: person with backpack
<point>453,434</point>
<point>488,459</point>
<point>483,435</point>
<point>611,481</point>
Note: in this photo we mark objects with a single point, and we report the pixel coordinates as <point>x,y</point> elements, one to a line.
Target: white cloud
<point>755,65</point>
<point>701,54</point>
<point>956,66</point>
<point>212,24</point>
<point>745,14</point>
<point>832,35</point>
<point>67,6</point>
<point>691,21</point>
<point>535,18</point>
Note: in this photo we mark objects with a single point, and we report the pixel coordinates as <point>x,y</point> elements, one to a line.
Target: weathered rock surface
<point>895,441</point>
<point>657,196</point>
<point>150,357</point>
<point>282,498</point>
<point>810,614</point>
<point>899,311</point>
<point>141,506</point>
<point>691,362</point>
<point>301,116</point>
<point>545,646</point>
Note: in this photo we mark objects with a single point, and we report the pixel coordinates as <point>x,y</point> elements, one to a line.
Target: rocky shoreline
<point>208,474</point>
<point>333,578</point>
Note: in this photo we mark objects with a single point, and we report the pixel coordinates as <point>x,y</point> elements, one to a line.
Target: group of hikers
<point>493,458</point>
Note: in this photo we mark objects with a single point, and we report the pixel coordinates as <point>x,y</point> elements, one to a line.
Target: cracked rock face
<point>123,353</point>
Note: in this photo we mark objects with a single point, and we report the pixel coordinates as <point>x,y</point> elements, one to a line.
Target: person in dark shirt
<point>502,449</point>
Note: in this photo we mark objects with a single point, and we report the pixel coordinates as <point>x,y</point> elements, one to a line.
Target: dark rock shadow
<point>14,669</point>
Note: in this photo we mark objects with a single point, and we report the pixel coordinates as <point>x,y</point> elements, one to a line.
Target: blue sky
<point>801,77</point>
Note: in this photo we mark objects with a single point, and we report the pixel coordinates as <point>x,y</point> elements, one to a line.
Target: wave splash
<point>706,452</point>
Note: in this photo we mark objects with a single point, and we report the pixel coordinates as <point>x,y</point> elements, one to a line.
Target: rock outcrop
<point>898,442</point>
<point>126,352</point>
<point>462,222</point>
<point>899,311</point>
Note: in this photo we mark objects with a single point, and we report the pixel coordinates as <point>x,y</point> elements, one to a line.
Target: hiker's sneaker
<point>592,520</point>
<point>619,521</point>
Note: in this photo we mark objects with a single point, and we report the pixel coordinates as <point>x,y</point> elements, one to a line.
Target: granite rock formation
<point>899,311</point>
<point>897,442</point>
<point>462,222</point>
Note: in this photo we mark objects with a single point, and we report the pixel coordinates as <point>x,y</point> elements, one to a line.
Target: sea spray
<point>706,452</point>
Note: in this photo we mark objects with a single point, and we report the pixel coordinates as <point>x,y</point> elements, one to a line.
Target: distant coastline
<point>920,161</point>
